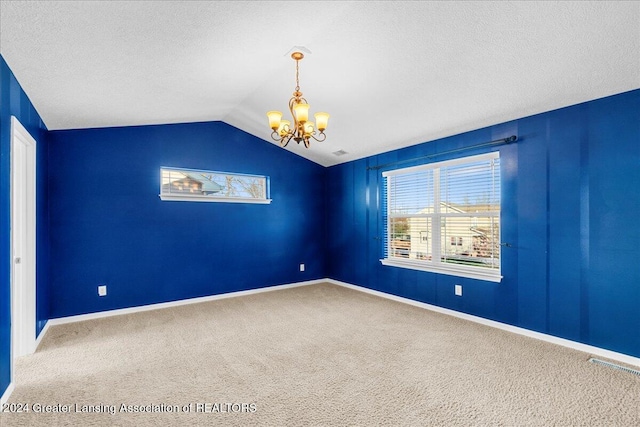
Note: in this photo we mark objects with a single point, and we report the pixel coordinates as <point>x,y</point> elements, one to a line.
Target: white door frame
<point>23,240</point>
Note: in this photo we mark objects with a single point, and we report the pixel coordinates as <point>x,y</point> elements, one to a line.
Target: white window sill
<point>174,198</point>
<point>449,269</point>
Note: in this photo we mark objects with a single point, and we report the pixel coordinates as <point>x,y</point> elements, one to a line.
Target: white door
<point>23,240</point>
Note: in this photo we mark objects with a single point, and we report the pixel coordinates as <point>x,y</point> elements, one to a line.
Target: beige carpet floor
<point>318,355</point>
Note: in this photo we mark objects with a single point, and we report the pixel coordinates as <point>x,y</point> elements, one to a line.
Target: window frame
<point>434,264</point>
<point>185,197</point>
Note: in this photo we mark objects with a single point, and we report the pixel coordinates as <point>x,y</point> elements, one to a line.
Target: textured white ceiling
<point>391,74</point>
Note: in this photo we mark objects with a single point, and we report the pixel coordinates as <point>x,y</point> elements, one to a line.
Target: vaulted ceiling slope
<point>391,74</point>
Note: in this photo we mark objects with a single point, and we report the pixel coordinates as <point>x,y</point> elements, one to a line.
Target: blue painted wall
<point>14,102</point>
<point>108,225</point>
<point>570,209</point>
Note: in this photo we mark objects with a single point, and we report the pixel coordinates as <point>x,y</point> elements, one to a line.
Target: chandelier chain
<point>297,76</point>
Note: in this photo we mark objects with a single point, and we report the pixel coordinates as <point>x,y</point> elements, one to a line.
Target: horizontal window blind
<point>445,215</point>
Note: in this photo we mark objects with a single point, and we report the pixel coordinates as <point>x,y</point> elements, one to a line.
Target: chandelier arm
<point>322,134</point>
<point>292,102</point>
<point>276,136</point>
<point>284,141</point>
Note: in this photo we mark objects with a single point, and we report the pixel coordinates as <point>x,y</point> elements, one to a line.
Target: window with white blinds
<point>445,217</point>
<point>210,186</point>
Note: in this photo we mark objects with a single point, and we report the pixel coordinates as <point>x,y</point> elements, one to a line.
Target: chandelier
<point>302,130</point>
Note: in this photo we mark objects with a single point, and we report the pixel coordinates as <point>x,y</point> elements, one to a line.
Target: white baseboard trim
<point>596,351</point>
<point>43,332</point>
<point>7,393</point>
<point>130,310</point>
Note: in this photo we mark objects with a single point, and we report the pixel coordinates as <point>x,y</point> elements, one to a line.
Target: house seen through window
<point>210,186</point>
<point>445,217</point>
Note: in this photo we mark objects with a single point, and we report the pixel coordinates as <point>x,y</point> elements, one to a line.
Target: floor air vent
<point>614,366</point>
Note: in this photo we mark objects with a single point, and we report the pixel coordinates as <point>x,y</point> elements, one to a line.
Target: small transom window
<point>211,186</point>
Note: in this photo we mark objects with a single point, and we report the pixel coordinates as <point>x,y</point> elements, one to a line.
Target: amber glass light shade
<point>308,128</point>
<point>285,125</point>
<point>321,120</point>
<point>274,119</point>
<point>301,112</point>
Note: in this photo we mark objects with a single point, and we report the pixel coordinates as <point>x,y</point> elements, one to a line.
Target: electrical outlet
<point>301,267</point>
<point>102,290</point>
<point>458,290</point>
